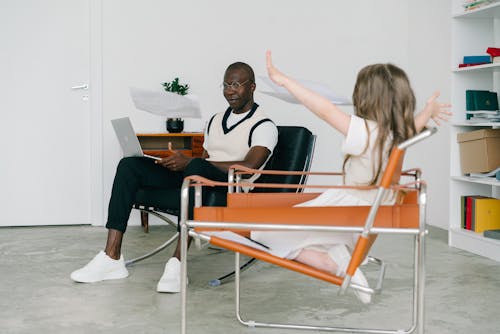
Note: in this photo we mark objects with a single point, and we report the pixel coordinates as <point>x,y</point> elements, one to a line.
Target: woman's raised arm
<point>316,103</point>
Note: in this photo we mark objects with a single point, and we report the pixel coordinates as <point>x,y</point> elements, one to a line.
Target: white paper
<point>231,236</point>
<point>165,103</point>
<point>489,174</point>
<point>323,90</point>
<point>485,112</point>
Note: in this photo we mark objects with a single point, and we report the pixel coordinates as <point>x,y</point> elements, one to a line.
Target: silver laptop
<point>128,139</point>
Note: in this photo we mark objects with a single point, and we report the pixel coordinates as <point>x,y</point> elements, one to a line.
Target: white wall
<point>147,42</point>
<point>429,45</point>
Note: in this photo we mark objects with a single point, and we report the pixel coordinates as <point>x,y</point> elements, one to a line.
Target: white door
<point>45,124</point>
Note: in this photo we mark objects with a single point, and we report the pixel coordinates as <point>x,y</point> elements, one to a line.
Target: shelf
<point>495,67</point>
<point>491,181</point>
<point>475,243</point>
<point>487,12</point>
<point>472,32</point>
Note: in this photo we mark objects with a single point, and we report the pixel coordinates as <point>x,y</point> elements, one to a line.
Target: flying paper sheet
<point>165,103</point>
<point>323,90</point>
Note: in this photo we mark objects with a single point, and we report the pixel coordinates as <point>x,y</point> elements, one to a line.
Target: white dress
<point>359,170</point>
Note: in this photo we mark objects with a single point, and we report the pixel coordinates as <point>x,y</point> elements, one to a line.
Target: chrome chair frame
<point>419,233</point>
<point>419,273</point>
<point>161,247</point>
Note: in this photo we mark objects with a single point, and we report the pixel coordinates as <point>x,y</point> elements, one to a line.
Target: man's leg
<point>114,244</point>
<point>170,280</point>
<point>131,174</point>
<point>206,169</point>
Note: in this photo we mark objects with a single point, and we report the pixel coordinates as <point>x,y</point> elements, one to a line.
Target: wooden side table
<point>190,143</point>
<point>156,144</point>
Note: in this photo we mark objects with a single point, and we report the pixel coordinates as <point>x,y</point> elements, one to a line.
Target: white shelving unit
<point>472,33</point>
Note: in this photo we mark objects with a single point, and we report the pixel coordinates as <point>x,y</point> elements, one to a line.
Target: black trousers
<point>139,179</point>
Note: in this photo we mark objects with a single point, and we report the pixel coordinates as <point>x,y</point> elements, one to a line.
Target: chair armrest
<point>237,172</point>
<point>240,170</point>
<point>196,180</point>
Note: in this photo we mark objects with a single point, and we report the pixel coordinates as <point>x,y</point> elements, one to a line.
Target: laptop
<point>128,139</point>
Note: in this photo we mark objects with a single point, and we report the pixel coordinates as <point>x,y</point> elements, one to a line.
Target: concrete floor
<point>37,296</point>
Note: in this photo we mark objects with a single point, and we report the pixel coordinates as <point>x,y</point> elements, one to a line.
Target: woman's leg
<point>317,259</point>
<point>335,262</point>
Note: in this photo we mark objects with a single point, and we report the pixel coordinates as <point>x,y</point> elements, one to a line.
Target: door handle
<point>84,86</point>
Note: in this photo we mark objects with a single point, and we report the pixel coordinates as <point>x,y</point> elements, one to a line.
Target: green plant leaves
<point>176,87</point>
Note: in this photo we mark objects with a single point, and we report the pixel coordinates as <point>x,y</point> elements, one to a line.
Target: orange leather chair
<point>275,211</point>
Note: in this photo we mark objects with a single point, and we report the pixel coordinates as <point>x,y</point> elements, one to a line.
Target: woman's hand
<point>276,76</point>
<point>437,111</point>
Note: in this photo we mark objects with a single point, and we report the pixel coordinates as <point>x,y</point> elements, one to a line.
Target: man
<point>241,135</point>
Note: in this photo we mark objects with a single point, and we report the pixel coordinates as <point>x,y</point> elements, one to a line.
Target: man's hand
<point>176,162</point>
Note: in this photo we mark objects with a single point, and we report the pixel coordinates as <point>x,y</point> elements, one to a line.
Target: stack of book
<point>480,213</point>
<point>481,106</point>
<point>475,4</point>
<point>492,56</point>
<point>487,116</point>
<point>475,60</point>
<point>494,53</point>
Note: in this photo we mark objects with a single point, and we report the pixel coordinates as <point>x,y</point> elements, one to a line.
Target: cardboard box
<point>479,150</point>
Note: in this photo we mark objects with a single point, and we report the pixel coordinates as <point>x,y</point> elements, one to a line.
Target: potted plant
<point>175,125</point>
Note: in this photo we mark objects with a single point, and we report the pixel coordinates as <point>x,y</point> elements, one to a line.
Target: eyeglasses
<point>233,85</point>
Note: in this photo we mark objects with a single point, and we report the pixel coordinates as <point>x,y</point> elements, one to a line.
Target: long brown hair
<point>383,94</point>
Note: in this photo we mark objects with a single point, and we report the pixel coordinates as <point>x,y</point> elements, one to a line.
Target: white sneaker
<point>341,256</point>
<point>100,268</point>
<point>170,281</point>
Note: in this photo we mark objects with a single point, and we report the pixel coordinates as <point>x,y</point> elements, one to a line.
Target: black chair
<point>293,152</point>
